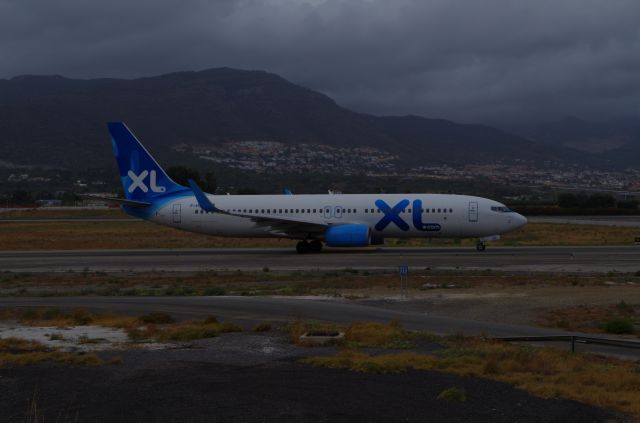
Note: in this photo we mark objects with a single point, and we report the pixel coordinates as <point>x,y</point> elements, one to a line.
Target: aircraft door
<point>338,212</point>
<point>177,209</point>
<point>327,212</point>
<point>473,211</point>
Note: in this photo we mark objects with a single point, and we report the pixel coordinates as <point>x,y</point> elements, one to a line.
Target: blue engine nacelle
<point>351,235</point>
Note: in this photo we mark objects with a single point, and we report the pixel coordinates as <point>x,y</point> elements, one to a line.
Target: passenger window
<point>355,211</point>
<point>433,210</point>
<point>409,210</point>
<point>439,211</point>
<point>450,210</point>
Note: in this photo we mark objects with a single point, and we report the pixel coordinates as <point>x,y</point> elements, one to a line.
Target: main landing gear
<point>315,246</point>
<point>480,246</point>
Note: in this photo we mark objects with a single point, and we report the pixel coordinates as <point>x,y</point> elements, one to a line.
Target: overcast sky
<point>495,61</point>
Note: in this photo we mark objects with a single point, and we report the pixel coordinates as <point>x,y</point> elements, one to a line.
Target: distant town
<point>264,162</point>
<point>280,158</point>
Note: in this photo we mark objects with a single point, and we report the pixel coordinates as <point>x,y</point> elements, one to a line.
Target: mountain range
<point>60,122</point>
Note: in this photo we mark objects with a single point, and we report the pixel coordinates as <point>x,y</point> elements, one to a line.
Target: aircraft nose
<point>520,220</point>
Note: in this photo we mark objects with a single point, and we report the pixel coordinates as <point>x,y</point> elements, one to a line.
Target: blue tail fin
<point>142,178</point>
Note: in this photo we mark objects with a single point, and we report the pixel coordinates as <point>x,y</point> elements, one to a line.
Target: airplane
<point>335,220</point>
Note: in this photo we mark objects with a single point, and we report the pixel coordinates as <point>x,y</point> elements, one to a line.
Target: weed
<point>211,319</point>
<point>213,291</point>
<point>81,317</point>
<point>116,360</point>
<point>157,317</point>
<point>56,337</point>
<point>262,327</point>
<point>619,326</point>
<point>453,394</point>
<point>369,334</point>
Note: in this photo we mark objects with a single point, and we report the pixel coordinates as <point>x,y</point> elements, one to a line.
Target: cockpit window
<point>501,209</point>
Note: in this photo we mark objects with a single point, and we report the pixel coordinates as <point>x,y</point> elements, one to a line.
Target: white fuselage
<point>440,215</point>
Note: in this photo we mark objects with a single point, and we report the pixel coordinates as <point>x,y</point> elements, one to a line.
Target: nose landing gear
<point>480,246</point>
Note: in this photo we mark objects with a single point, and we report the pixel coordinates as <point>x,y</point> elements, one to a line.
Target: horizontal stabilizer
<point>203,201</point>
<point>114,200</point>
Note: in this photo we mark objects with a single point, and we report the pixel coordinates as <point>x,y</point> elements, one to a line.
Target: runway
<point>589,259</point>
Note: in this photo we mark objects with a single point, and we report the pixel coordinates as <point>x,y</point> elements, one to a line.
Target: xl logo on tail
<point>137,181</point>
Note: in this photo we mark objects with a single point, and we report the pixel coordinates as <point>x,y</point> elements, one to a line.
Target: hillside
<point>60,122</point>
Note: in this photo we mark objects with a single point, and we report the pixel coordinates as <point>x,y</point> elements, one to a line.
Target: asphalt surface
<point>248,377</point>
<point>589,259</point>
<point>251,310</point>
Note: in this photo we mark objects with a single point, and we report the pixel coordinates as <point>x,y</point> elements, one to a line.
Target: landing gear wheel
<point>315,246</point>
<point>302,247</point>
<point>480,246</point>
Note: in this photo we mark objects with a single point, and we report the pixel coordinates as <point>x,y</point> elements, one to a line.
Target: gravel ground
<point>249,377</point>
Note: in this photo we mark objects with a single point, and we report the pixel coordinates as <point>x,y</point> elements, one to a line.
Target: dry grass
<point>591,318</point>
<point>541,234</point>
<point>347,283</point>
<point>47,213</point>
<point>262,327</point>
<point>113,235</point>
<point>156,326</point>
<point>109,235</point>
<point>371,334</point>
<point>20,352</point>
<point>545,372</point>
<point>358,334</point>
<point>181,332</point>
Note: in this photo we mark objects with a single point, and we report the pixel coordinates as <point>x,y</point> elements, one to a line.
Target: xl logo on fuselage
<point>392,215</point>
<point>137,181</point>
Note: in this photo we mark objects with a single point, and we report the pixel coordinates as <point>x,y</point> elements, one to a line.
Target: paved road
<point>519,259</point>
<point>249,310</point>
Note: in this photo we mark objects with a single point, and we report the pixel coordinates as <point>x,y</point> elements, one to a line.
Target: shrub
<point>211,319</point>
<point>227,327</point>
<point>157,318</point>
<point>370,334</point>
<point>262,327</point>
<point>51,313</point>
<point>453,394</point>
<point>190,332</point>
<point>213,291</point>
<point>81,317</point>
<point>619,326</point>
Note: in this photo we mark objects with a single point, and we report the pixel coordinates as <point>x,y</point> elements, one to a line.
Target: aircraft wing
<point>281,225</point>
<point>277,225</point>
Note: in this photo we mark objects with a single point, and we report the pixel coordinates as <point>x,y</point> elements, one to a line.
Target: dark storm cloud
<point>489,60</point>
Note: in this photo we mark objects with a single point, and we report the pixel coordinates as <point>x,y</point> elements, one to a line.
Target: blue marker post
<point>404,280</point>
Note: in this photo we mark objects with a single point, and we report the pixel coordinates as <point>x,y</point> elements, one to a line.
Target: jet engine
<point>349,235</point>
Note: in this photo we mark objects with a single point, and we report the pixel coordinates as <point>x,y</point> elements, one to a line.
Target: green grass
<point>453,394</point>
